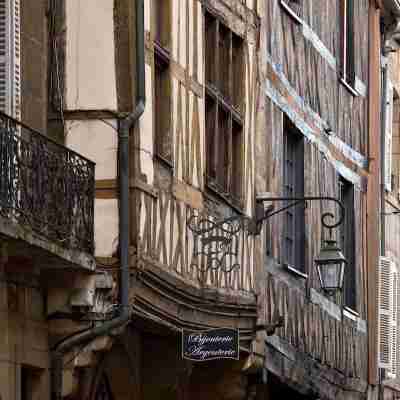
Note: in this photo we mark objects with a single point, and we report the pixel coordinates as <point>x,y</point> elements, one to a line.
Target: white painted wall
<point>90,61</point>
<point>98,141</point>
<point>105,227</point>
<point>146,150</point>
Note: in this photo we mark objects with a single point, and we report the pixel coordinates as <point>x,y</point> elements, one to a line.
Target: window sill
<point>167,163</point>
<point>350,313</point>
<point>349,87</point>
<point>225,197</point>
<point>291,13</point>
<point>217,95</point>
<point>162,53</point>
<point>295,271</point>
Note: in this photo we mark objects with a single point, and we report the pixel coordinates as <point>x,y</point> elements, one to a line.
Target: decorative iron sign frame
<point>214,240</point>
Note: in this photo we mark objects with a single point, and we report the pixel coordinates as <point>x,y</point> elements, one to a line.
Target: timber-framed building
<point>163,123</point>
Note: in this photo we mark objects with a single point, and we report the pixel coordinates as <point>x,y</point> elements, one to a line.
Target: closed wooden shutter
<point>393,328</point>
<point>388,136</point>
<point>385,315</point>
<point>10,58</point>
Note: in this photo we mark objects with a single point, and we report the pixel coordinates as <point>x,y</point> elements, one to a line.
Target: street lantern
<point>330,265</point>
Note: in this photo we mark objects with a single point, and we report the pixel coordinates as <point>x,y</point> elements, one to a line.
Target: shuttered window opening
<point>389,296</point>
<point>224,106</point>
<point>10,58</point>
<point>388,135</point>
<point>393,324</point>
<point>294,218</point>
<point>347,42</point>
<point>347,242</point>
<point>163,143</point>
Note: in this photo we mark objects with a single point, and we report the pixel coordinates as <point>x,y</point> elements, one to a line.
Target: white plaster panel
<point>183,32</point>
<point>174,91</point>
<point>90,61</point>
<point>105,227</point>
<point>191,5</point>
<point>175,32</point>
<point>202,135</point>
<point>147,15</point>
<point>146,132</point>
<point>200,43</point>
<point>98,142</point>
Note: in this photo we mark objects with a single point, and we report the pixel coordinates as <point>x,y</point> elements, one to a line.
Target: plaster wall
<point>98,141</point>
<point>90,61</point>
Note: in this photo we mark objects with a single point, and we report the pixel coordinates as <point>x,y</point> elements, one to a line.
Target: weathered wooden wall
<point>299,64</point>
<point>321,179</point>
<point>308,56</point>
<point>312,330</point>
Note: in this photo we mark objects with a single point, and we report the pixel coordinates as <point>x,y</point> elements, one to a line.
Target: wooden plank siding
<point>321,179</point>
<point>310,329</point>
<point>300,63</point>
<point>311,74</point>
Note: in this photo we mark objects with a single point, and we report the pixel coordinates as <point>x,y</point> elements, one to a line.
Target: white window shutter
<point>388,135</point>
<point>395,282</point>
<point>10,58</point>
<point>385,313</point>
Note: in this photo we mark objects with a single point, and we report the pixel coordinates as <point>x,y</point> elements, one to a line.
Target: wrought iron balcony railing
<point>45,187</point>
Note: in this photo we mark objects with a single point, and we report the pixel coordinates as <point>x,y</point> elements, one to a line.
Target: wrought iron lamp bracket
<point>328,219</point>
<point>214,240</point>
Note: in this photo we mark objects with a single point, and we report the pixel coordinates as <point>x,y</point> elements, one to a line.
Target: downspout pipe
<point>124,126</point>
<point>384,76</point>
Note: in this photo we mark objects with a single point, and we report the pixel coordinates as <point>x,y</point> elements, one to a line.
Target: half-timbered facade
<point>196,113</point>
<point>315,67</point>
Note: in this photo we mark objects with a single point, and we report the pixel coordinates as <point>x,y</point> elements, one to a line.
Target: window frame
<point>162,65</point>
<point>285,4</point>
<point>226,100</point>
<point>347,242</point>
<point>293,186</point>
<point>347,46</point>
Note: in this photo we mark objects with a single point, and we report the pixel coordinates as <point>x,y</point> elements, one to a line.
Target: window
<point>392,139</point>
<point>347,243</point>
<point>224,70</point>
<point>294,221</point>
<point>162,81</point>
<point>10,58</point>
<point>396,144</point>
<point>347,42</point>
<point>30,383</point>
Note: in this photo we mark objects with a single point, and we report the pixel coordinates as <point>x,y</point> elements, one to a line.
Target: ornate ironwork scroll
<point>45,186</point>
<point>214,242</point>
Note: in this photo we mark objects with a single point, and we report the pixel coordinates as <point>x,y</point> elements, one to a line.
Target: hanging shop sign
<point>212,344</point>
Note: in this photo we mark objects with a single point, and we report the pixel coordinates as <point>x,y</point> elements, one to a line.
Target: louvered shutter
<point>388,135</point>
<point>393,329</point>
<point>398,324</point>
<point>385,312</point>
<point>10,58</point>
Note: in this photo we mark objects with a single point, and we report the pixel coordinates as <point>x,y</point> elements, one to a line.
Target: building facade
<point>197,114</point>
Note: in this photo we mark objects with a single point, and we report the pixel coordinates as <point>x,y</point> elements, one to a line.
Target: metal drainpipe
<point>383,154</point>
<point>124,126</point>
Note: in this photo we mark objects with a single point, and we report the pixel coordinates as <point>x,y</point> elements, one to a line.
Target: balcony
<point>46,199</point>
